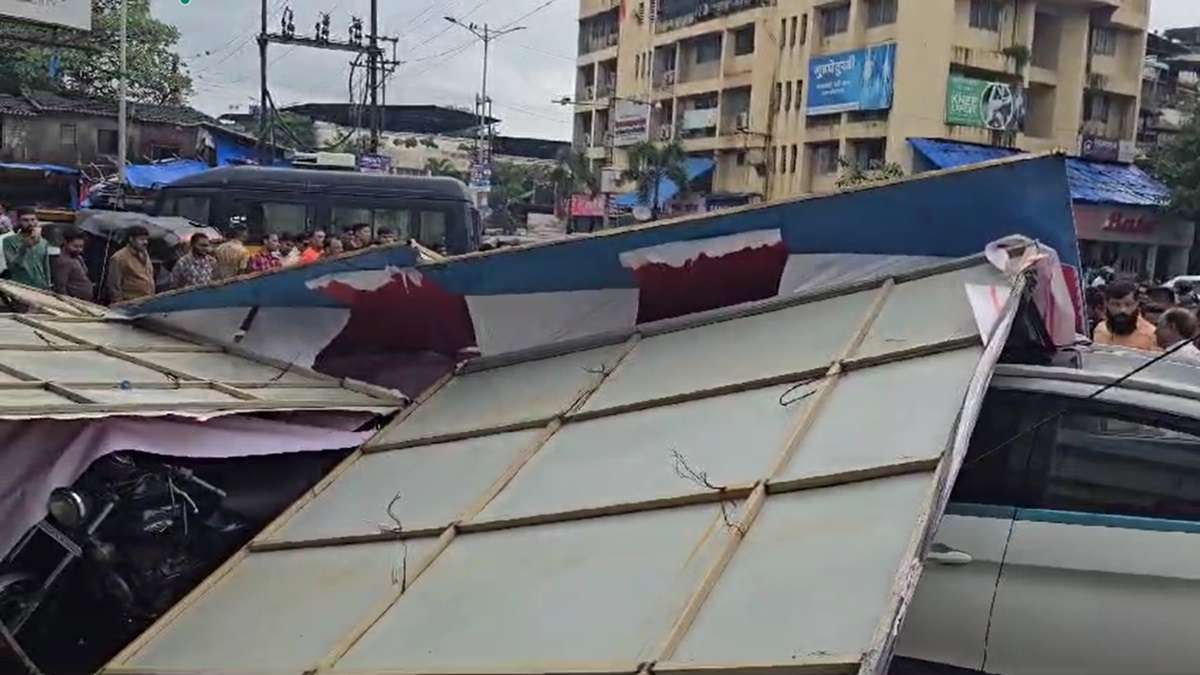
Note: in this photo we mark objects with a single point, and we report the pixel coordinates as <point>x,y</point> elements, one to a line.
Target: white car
<point>1072,547</point>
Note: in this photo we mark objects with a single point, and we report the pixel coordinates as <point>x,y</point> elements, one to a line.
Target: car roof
<point>1171,384</point>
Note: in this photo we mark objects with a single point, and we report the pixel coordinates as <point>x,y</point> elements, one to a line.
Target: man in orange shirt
<point>315,248</point>
<point>1123,325</point>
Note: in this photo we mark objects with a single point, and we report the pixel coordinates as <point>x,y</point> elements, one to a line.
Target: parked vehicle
<point>145,530</point>
<point>437,212</point>
<point>1073,546</point>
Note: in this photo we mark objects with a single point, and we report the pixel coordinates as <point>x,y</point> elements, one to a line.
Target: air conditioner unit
<point>665,132</point>
<point>669,77</point>
<point>742,121</point>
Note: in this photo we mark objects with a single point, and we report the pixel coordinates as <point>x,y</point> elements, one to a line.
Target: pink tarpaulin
<point>40,455</point>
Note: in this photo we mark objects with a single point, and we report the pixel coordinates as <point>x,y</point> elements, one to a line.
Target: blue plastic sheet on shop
<point>1090,181</point>
<point>694,167</point>
<point>158,174</point>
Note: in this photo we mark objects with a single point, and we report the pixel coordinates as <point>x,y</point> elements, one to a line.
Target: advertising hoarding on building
<point>858,80</point>
<point>66,13</point>
<point>998,106</point>
<point>631,123</point>
<point>1107,149</point>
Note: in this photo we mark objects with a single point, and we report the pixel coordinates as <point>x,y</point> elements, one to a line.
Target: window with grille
<point>835,20</point>
<point>743,40</point>
<point>986,14</point>
<point>1104,41</point>
<point>825,156</point>
<point>881,12</point>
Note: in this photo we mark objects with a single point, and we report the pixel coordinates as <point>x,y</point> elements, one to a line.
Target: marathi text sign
<point>68,13</point>
<point>849,81</point>
<point>998,106</point>
<point>631,124</point>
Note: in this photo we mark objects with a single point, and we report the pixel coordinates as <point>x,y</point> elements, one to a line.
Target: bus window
<point>433,230</point>
<point>195,209</point>
<point>397,219</point>
<point>262,218</point>
<point>342,218</point>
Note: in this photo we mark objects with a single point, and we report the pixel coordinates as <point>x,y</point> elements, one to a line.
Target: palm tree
<point>649,164</point>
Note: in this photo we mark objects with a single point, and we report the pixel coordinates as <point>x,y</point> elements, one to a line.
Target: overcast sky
<point>529,68</point>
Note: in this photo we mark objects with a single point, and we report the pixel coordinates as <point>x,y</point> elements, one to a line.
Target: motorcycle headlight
<point>68,508</point>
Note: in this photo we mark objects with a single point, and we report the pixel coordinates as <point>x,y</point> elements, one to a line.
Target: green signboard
<point>991,105</point>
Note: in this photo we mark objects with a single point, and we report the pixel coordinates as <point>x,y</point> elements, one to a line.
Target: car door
<point>1102,573</point>
<point>947,622</point>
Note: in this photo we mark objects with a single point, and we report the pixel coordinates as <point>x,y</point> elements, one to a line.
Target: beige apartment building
<point>776,92</point>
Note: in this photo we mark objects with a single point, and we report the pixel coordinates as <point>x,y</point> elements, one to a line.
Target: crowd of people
<point>130,273</point>
<point>1154,319</point>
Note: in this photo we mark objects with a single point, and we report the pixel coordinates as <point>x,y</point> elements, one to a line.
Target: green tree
<point>437,166</point>
<point>514,184</point>
<point>572,174</point>
<point>156,73</point>
<point>649,163</point>
<point>857,175</point>
<point>1177,164</point>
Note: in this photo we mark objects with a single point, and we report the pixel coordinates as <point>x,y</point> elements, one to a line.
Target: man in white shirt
<point>1178,325</point>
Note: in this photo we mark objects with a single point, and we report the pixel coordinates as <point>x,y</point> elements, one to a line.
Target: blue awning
<point>667,189</point>
<point>1106,183</point>
<point>1091,181</point>
<point>43,168</point>
<point>949,154</point>
<point>158,174</point>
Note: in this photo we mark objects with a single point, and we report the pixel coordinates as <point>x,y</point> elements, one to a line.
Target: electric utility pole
<point>483,147</point>
<point>321,40</point>
<point>123,106</point>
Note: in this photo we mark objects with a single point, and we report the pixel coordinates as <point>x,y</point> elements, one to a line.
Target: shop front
<point>1143,241</point>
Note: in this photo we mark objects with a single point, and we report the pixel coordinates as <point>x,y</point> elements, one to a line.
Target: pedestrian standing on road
<point>70,272</point>
<point>130,272</point>
<point>197,267</point>
<point>27,255</point>
<point>1178,325</point>
<point>315,248</point>
<point>232,256</point>
<point>268,257</point>
<point>1123,325</point>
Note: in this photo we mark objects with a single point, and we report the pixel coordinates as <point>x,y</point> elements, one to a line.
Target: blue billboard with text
<point>848,81</point>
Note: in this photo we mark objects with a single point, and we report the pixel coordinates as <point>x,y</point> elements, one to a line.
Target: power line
<point>528,14</point>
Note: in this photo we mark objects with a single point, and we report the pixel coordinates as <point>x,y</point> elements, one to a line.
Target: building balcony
<point>592,7</point>
<point>981,59</point>
<point>701,11</point>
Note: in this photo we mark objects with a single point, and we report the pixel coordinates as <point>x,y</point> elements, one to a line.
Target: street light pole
<point>486,35</point>
<point>122,105</point>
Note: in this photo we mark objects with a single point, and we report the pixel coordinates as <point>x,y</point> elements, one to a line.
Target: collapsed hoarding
<point>384,316</point>
<point>581,508</point>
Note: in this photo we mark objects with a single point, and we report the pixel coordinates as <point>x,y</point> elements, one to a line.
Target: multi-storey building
<point>783,95</point>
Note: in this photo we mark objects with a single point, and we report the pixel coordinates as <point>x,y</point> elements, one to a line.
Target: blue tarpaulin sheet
<point>1090,181</point>
<point>667,189</point>
<point>45,168</point>
<point>148,176</point>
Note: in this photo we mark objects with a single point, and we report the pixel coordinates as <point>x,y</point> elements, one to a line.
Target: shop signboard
<point>610,181</point>
<point>1131,224</point>
<point>1104,149</point>
<point>65,13</point>
<point>374,164</point>
<point>849,81</point>
<point>998,106</point>
<point>631,124</point>
<point>587,206</point>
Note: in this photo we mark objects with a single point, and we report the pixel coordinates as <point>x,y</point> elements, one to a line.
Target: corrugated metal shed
<point>75,367</point>
<point>747,490</point>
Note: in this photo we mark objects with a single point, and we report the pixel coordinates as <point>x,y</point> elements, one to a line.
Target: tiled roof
<point>145,112</point>
<point>1091,181</point>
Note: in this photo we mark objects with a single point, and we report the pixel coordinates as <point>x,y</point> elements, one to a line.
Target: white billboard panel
<point>68,13</point>
<point>632,124</point>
